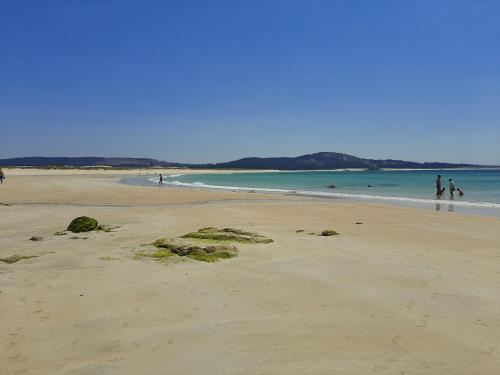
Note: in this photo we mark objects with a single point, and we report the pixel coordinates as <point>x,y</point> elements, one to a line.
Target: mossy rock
<point>82,224</point>
<point>79,238</point>
<point>207,244</point>
<point>227,234</point>
<point>167,248</point>
<point>106,228</point>
<point>329,232</point>
<point>16,258</point>
<point>202,256</point>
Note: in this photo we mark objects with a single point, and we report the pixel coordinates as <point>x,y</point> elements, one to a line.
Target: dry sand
<point>407,292</point>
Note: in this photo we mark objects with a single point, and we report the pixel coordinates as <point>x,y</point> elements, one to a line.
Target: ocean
<point>414,188</point>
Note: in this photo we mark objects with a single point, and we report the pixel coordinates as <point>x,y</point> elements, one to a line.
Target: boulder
<point>82,224</point>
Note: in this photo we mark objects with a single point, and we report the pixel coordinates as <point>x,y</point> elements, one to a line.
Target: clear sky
<point>208,81</point>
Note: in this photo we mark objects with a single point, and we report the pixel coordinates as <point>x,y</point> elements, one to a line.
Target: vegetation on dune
<point>16,258</point>
<point>82,224</point>
<point>227,234</point>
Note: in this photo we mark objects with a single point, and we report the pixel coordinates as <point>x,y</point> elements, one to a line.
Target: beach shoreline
<point>477,207</point>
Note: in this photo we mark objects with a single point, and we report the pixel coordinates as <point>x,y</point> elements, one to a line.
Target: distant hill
<point>320,160</point>
<point>39,161</point>
<point>328,160</point>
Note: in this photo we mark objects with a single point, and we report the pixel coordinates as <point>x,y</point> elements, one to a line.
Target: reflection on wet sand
<point>438,205</point>
<point>451,206</point>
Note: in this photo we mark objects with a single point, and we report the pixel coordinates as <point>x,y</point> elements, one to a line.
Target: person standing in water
<point>439,191</point>
<point>451,185</point>
<point>160,181</point>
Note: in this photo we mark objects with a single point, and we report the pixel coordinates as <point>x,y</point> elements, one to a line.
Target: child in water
<point>460,193</point>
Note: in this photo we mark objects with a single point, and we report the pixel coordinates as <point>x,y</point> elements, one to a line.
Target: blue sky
<point>196,81</point>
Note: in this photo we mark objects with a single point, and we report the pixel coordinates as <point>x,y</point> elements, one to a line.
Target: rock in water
<point>82,224</point>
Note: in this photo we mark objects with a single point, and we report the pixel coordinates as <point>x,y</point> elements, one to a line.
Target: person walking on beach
<point>439,191</point>
<point>451,186</point>
<point>160,181</point>
<point>2,176</point>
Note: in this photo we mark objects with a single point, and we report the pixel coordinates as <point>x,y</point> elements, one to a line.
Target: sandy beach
<point>408,291</point>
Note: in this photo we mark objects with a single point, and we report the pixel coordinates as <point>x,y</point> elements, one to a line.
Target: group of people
<point>451,186</point>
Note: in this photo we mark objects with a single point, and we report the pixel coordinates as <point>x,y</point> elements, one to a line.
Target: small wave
<point>199,184</point>
<point>203,185</point>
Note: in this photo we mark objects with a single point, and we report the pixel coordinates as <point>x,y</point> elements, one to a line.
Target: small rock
<point>36,238</point>
<point>329,232</point>
<point>359,223</point>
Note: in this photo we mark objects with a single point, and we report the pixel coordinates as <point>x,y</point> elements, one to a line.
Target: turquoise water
<point>409,188</point>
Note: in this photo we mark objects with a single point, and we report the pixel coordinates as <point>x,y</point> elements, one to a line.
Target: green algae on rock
<point>227,234</point>
<point>207,253</point>
<point>16,258</point>
<point>82,224</point>
<point>167,247</point>
<point>206,245</point>
<point>106,228</point>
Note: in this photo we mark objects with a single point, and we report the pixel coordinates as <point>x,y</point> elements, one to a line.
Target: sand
<point>409,291</point>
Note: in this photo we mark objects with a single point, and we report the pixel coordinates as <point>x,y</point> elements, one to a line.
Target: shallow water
<point>407,188</point>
